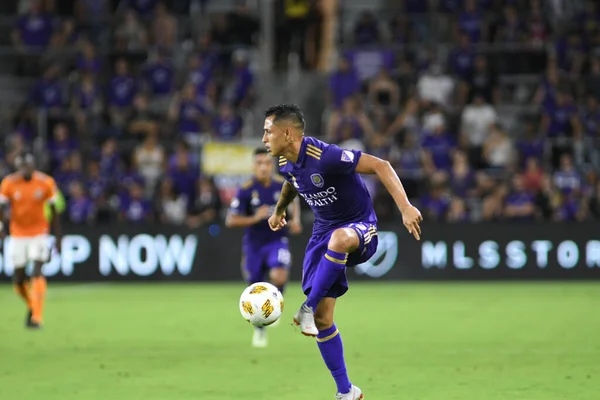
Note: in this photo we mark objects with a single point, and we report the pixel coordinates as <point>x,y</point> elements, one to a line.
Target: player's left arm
<point>411,216</point>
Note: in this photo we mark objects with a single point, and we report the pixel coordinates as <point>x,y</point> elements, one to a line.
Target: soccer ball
<point>261,304</point>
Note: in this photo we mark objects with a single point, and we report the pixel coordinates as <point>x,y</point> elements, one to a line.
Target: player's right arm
<point>411,216</point>
<point>238,214</point>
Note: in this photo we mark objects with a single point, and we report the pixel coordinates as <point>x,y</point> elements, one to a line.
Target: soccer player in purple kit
<point>345,228</point>
<point>266,254</point>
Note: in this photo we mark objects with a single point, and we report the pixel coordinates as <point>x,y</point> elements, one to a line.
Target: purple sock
<point>329,269</point>
<point>332,351</point>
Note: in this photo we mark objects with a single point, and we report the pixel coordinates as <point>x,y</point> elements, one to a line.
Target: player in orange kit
<point>26,192</point>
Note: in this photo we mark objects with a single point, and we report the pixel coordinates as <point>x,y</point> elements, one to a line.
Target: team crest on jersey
<point>17,195</point>
<point>255,198</point>
<point>347,156</point>
<point>317,180</point>
<point>38,194</point>
<point>276,196</point>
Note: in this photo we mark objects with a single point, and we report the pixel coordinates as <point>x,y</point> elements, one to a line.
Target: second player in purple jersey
<point>265,253</point>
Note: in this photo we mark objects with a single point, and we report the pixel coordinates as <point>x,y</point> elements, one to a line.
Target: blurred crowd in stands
<point>131,89</point>
<point>441,121</point>
<point>128,110</point>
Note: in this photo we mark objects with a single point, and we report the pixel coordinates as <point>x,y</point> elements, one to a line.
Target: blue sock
<point>329,269</point>
<point>332,351</point>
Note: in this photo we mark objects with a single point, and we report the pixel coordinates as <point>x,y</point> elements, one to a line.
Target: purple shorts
<point>317,246</point>
<point>256,262</point>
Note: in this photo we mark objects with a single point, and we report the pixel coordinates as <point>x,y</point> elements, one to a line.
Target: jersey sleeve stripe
<point>314,148</point>
<point>312,154</point>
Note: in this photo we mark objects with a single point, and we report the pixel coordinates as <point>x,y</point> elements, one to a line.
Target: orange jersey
<point>27,200</point>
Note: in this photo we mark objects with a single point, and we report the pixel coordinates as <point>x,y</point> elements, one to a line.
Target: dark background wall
<point>447,252</point>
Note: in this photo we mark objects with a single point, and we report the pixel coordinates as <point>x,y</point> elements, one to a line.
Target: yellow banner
<point>226,158</point>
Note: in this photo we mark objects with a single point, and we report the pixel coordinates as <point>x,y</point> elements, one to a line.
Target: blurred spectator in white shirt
<point>435,86</point>
<point>476,123</point>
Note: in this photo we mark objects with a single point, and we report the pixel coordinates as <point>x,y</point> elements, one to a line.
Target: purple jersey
<point>368,63</point>
<point>325,176</point>
<point>110,165</point>
<point>160,78</point>
<point>520,199</point>
<point>343,85</point>
<point>135,210</point>
<point>567,181</point>
<point>440,147</point>
<point>121,91</point>
<point>569,210</point>
<point>461,61</point>
<point>227,128</point>
<point>531,148</point>
<point>93,65</point>
<point>560,120</point>
<point>64,179</point>
<point>591,123</point>
<point>251,196</point>
<point>97,187</point>
<point>200,78</point>
<point>436,208</point>
<point>87,97</point>
<point>189,115</point>
<point>80,210</point>
<point>184,182</point>
<point>47,94</point>
<point>470,24</point>
<point>36,30</point>
<point>59,150</point>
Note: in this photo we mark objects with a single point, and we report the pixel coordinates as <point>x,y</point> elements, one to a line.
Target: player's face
<point>26,170</point>
<point>263,166</point>
<point>274,137</point>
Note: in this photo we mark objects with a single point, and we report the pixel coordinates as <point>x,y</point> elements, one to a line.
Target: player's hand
<point>411,217</point>
<point>295,228</point>
<point>262,213</point>
<point>277,221</point>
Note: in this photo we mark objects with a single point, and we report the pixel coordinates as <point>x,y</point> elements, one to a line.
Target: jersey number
<point>284,257</point>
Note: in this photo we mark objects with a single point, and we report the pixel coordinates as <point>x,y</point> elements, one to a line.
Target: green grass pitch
<point>403,341</point>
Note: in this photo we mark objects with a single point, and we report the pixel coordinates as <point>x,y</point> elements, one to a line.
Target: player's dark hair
<point>260,150</point>
<point>290,112</point>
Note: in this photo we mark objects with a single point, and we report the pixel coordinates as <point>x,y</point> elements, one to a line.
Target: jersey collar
<point>302,153</point>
